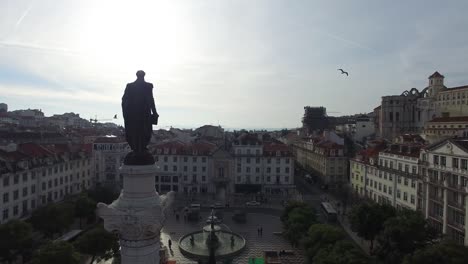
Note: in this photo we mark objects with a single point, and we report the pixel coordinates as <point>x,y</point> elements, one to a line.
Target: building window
<point>278,170</point>
<point>174,168</point>
<point>25,177</point>
<point>15,179</point>
<point>185,168</point>
<point>405,182</point>
<point>286,179</point>
<point>436,160</point>
<point>194,159</point>
<point>400,167</point>
<point>6,181</point>
<point>6,197</point>
<point>5,214</point>
<point>464,164</point>
<point>257,179</point>
<point>165,158</point>
<point>443,161</point>
<point>33,188</point>
<point>398,193</point>
<point>174,159</point>
<point>203,178</point>
<point>257,170</point>
<point>412,199</point>
<point>268,178</point>
<point>185,159</point>
<point>413,169</point>
<point>25,191</point>
<point>405,196</point>
<point>455,163</point>
<point>268,170</point>
<point>165,168</point>
<point>15,195</point>
<point>203,159</point>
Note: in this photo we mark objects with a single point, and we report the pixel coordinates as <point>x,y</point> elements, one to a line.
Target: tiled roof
<point>110,140</point>
<point>436,74</point>
<point>450,119</point>
<point>34,150</point>
<point>455,88</point>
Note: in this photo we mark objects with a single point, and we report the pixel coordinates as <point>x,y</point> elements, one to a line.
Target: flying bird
<point>343,72</point>
<point>115,117</point>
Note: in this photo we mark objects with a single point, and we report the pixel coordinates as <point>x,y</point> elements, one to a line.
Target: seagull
<point>343,72</point>
<point>115,117</point>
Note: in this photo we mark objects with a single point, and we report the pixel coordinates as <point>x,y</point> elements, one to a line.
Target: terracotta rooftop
<point>110,140</point>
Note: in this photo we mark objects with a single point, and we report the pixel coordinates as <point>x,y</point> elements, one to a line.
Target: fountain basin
<point>199,248</point>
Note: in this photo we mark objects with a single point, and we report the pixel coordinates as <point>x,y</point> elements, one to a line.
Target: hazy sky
<point>236,63</point>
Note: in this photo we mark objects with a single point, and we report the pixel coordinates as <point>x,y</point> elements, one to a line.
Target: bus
<point>329,211</point>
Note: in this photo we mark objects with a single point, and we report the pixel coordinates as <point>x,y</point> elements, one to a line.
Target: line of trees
<point>403,236</point>
<point>323,244</point>
<point>16,236</point>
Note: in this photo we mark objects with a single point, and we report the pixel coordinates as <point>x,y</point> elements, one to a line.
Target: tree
<point>367,220</point>
<point>56,253</point>
<point>403,234</point>
<point>15,239</point>
<point>439,253</point>
<point>84,208</point>
<point>320,236</point>
<point>297,221</point>
<point>52,219</point>
<point>289,207</point>
<point>341,252</point>
<point>98,243</point>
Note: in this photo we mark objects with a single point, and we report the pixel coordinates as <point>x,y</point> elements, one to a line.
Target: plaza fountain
<point>211,242</point>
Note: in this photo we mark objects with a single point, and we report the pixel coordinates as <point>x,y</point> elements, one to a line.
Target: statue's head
<point>140,74</point>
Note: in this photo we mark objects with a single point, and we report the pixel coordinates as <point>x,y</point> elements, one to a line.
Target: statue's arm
<point>125,102</point>
<point>153,106</point>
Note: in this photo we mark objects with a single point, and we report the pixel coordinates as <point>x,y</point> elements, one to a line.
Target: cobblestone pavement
<point>255,244</point>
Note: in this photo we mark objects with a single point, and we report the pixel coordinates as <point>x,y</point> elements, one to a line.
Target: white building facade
<point>35,175</point>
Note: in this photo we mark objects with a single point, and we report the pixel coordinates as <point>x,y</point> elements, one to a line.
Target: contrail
<point>28,46</point>
<point>25,13</point>
<point>350,42</point>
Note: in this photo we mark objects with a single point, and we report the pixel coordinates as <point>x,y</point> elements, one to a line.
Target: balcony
<point>456,205</point>
<point>455,225</point>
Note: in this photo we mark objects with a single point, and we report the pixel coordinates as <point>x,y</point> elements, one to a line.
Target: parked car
<point>252,203</point>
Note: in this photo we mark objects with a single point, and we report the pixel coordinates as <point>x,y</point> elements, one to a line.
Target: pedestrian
<point>170,244</point>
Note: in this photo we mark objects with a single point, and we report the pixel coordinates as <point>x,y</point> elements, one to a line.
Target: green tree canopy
<point>341,252</point>
<point>52,219</point>
<point>84,207</point>
<point>298,221</point>
<point>98,243</point>
<point>15,238</point>
<point>56,253</point>
<point>439,253</point>
<point>403,234</point>
<point>367,219</point>
<point>320,236</point>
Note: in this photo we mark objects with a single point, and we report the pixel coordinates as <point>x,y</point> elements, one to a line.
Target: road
<point>313,195</point>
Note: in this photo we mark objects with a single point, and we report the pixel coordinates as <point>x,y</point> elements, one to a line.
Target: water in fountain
<point>223,242</point>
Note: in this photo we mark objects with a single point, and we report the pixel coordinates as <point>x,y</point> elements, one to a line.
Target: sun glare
<point>133,34</point>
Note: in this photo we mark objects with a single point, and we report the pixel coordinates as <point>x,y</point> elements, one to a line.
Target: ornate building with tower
<point>410,111</point>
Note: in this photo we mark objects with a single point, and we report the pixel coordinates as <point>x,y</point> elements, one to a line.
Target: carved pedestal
<point>137,216</point>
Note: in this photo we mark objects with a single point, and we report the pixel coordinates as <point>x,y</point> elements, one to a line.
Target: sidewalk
<point>343,220</point>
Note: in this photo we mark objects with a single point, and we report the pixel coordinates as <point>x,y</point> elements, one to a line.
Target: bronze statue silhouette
<point>139,112</point>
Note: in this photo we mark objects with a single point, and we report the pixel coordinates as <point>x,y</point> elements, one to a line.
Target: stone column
<point>137,216</point>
